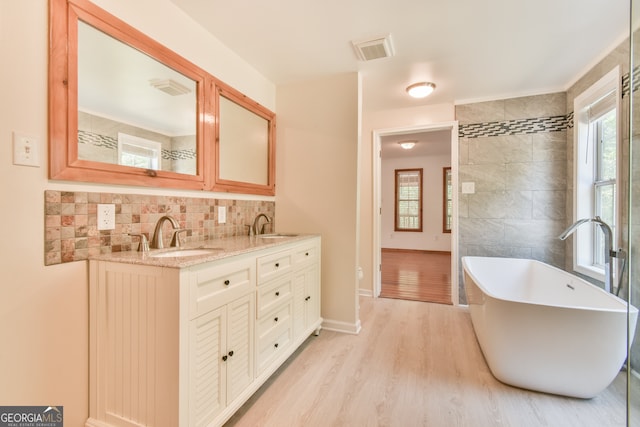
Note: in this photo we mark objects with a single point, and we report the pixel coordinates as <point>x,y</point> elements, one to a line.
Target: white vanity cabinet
<point>188,346</point>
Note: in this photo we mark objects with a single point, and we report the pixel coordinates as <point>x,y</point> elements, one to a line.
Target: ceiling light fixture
<point>421,90</point>
<point>408,144</point>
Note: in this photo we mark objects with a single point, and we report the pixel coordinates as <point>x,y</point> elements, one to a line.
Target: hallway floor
<point>416,275</point>
<point>413,364</point>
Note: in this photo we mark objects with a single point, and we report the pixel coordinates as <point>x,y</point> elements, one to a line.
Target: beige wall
<point>375,121</point>
<point>317,151</point>
<point>431,238</point>
<point>44,310</point>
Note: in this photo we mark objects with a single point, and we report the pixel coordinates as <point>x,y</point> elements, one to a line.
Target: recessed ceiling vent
<point>169,86</point>
<point>380,47</point>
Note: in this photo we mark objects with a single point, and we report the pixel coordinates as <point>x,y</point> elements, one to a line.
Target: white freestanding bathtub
<point>544,329</point>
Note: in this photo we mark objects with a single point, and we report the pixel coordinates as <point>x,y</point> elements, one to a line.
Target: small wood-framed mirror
<point>245,145</point>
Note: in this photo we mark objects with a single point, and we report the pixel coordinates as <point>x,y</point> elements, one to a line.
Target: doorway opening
<point>416,260</point>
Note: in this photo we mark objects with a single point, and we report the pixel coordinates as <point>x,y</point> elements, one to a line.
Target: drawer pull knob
<point>231,353</point>
<point>227,282</point>
<point>306,254</point>
<point>276,345</point>
<point>275,320</point>
<point>307,298</point>
<point>224,358</point>
<point>278,293</point>
<point>277,264</point>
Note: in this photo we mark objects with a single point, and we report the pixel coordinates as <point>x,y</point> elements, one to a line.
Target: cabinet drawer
<point>272,346</point>
<point>273,294</point>
<point>214,285</point>
<point>303,255</point>
<point>273,265</point>
<point>274,319</point>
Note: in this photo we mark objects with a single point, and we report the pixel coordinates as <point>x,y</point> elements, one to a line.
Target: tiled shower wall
<point>71,232</point>
<point>514,150</point>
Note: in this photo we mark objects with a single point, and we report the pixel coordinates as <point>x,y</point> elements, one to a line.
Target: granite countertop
<point>219,249</point>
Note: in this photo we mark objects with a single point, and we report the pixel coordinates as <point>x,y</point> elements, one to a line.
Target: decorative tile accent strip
<point>513,127</point>
<point>97,140</point>
<point>178,154</point>
<point>104,141</point>
<point>627,81</point>
<point>71,231</point>
<point>570,120</point>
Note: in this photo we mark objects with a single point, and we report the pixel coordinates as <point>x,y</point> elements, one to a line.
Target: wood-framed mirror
<point>245,146</point>
<point>124,109</point>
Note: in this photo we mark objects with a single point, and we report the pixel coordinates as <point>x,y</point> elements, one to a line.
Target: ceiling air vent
<point>380,47</point>
<point>169,86</point>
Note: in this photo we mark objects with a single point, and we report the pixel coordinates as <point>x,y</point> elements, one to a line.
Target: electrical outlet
<point>222,214</point>
<point>25,150</point>
<point>106,216</point>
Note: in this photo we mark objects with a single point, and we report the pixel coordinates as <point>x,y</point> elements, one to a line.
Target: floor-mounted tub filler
<point>544,329</point>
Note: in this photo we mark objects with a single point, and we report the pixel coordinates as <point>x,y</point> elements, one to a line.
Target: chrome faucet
<point>254,230</point>
<point>157,242</point>
<point>609,254</point>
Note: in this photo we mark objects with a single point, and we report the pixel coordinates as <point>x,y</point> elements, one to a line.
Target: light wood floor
<point>413,364</point>
<point>416,275</point>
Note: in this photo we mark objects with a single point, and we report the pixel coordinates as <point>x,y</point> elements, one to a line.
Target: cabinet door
<point>240,314</point>
<point>312,297</point>
<point>306,297</point>
<point>207,370</point>
<point>299,311</point>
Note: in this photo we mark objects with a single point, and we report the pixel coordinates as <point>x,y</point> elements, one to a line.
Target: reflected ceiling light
<point>408,144</point>
<point>421,90</point>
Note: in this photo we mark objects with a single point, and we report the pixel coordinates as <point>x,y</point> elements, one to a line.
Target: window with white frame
<point>596,138</point>
<point>138,152</point>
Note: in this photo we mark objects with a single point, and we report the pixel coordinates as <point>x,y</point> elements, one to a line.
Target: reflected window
<point>138,152</point>
<point>408,204</point>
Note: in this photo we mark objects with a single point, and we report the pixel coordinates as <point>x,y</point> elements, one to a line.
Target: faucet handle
<point>175,240</point>
<point>143,246</point>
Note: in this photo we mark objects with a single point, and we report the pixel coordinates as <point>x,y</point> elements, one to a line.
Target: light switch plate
<point>106,216</point>
<point>25,150</point>
<point>468,187</point>
<point>222,214</point>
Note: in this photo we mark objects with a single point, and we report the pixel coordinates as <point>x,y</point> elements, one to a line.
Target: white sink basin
<point>178,253</point>
<point>276,235</point>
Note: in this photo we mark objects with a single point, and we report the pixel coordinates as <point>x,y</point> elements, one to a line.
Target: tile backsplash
<point>71,232</point>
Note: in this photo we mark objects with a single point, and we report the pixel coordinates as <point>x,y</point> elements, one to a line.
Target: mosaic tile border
<point>514,127</point>
<point>111,143</point>
<point>535,125</point>
<point>71,232</point>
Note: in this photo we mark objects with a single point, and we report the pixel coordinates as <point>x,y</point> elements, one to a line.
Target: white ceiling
<point>428,143</point>
<point>471,49</point>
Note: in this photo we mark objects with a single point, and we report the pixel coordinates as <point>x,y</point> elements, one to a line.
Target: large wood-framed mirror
<point>124,109</point>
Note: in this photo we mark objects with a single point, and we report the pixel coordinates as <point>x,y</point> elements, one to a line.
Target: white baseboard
<point>339,326</point>
<point>365,292</point>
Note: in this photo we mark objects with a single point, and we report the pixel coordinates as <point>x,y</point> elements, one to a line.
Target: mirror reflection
<point>132,109</point>
<point>244,144</point>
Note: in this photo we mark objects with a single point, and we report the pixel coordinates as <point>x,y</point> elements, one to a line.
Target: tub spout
<point>609,254</point>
